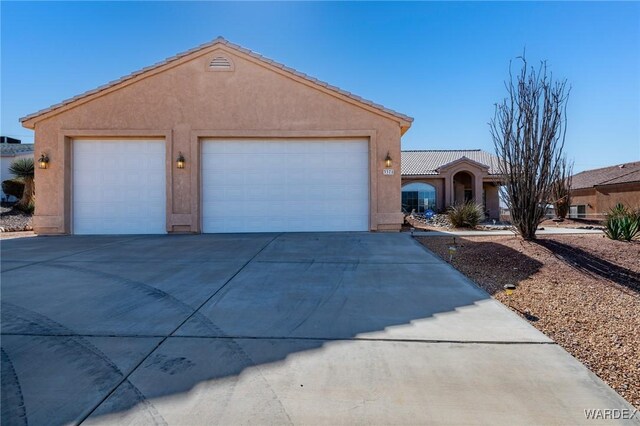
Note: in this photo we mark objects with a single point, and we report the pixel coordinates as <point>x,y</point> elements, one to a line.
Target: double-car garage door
<point>250,185</point>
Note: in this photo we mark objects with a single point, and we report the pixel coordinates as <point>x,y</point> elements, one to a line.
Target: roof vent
<point>621,166</point>
<point>220,63</point>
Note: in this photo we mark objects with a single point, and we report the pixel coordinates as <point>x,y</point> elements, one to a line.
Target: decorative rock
<point>12,220</point>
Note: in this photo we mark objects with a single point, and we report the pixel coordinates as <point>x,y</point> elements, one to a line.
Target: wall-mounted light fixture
<point>43,161</point>
<point>180,161</point>
<point>388,162</point>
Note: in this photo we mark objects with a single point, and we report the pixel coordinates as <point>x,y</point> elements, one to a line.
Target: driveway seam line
<point>67,255</point>
<point>164,339</point>
<point>325,339</point>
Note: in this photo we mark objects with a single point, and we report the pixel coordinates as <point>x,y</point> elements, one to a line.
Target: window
<point>582,211</point>
<point>419,197</point>
<point>578,212</point>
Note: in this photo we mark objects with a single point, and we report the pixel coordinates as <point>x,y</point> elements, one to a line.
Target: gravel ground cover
<point>14,220</point>
<point>17,234</point>
<point>570,223</point>
<point>582,291</point>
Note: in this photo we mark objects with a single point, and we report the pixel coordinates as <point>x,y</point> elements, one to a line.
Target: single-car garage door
<point>285,185</point>
<point>119,186</point>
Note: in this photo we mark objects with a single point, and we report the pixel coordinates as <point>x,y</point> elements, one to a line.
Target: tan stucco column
<point>477,188</point>
<point>446,187</point>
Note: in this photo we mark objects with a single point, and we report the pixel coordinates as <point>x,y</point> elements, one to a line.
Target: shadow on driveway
<point>228,328</point>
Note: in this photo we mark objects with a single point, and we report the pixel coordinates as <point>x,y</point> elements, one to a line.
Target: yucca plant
<point>629,226</point>
<point>22,169</point>
<point>465,215</point>
<point>612,228</point>
<point>619,210</point>
<point>622,223</point>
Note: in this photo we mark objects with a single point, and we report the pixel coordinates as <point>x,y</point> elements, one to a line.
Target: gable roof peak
<point>404,120</point>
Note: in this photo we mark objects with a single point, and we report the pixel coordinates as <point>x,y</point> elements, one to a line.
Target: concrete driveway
<point>347,328</point>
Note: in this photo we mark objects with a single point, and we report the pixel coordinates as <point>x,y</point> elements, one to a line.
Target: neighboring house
<point>10,150</point>
<point>437,179</point>
<point>262,148</point>
<point>595,192</point>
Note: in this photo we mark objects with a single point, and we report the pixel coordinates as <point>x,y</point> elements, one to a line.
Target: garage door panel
<point>119,186</point>
<point>293,185</point>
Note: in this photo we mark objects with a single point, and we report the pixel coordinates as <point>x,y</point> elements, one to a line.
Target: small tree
<point>528,131</point>
<point>22,168</point>
<point>561,189</point>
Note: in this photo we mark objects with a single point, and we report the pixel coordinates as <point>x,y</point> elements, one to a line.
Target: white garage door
<point>285,185</point>
<point>119,187</point>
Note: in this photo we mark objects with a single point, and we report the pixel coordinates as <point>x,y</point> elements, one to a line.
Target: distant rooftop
<point>621,173</point>
<point>13,149</point>
<point>426,162</point>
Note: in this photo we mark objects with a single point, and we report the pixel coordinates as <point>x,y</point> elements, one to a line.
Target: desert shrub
<point>622,223</point>
<point>561,188</point>
<point>465,215</point>
<point>612,228</point>
<point>22,169</point>
<point>13,187</point>
<point>629,227</point>
<point>619,210</point>
<point>28,208</point>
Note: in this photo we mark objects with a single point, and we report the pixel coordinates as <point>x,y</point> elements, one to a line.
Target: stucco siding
<point>610,195</point>
<point>187,102</point>
<point>599,200</point>
<point>492,198</point>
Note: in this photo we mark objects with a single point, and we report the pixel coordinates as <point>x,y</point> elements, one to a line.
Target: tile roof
<point>622,173</point>
<point>13,149</point>
<point>221,41</point>
<point>426,162</point>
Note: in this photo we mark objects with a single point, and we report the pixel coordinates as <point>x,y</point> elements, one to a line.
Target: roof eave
<point>434,174</point>
<point>463,160</point>
<point>31,120</point>
<point>615,183</point>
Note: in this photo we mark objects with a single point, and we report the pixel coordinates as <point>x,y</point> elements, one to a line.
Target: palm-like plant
<point>22,168</point>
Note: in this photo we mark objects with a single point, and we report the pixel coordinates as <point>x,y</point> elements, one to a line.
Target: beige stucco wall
<point>586,197</point>
<point>187,102</point>
<point>492,197</point>
<point>601,199</point>
<point>477,172</point>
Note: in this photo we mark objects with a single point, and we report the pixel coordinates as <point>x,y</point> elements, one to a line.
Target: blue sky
<point>442,63</point>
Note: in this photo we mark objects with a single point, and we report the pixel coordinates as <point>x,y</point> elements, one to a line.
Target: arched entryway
<point>418,197</point>
<point>463,187</point>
